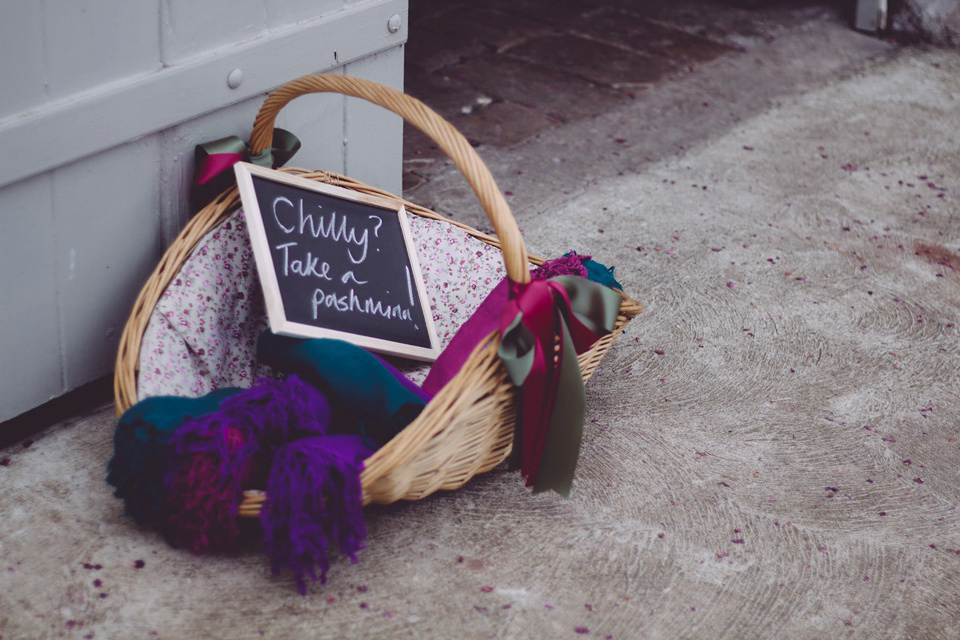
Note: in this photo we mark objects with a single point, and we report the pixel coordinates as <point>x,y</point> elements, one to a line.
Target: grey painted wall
<point>103,102</point>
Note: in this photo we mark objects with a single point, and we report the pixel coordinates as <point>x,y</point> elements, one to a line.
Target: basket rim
<point>481,368</point>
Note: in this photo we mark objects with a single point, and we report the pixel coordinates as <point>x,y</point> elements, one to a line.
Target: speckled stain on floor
<point>771,450</point>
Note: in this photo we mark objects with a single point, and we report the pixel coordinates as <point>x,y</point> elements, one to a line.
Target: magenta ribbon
<point>543,327</point>
<point>217,156</point>
<point>213,161</point>
<point>212,165</point>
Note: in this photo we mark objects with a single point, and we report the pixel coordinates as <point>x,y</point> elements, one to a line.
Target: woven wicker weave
<point>468,427</point>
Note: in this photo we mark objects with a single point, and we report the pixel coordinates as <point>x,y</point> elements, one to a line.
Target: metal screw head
<point>234,78</point>
<point>394,23</point>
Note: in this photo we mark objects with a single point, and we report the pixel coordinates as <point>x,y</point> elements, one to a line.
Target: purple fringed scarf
<point>314,501</point>
<point>211,457</point>
<point>275,434</point>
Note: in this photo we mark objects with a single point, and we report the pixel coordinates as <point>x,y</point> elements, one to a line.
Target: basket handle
<point>426,120</point>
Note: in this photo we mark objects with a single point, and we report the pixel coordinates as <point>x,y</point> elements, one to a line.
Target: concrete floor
<point>771,450</point>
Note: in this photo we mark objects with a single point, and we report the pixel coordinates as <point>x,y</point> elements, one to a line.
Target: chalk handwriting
<point>349,275</point>
<point>291,218</point>
<point>409,286</point>
<point>376,231</point>
<point>310,266</point>
<point>352,302</point>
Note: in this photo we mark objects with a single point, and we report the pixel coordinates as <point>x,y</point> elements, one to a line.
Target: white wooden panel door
<point>30,347</point>
<point>103,103</point>
<point>21,56</point>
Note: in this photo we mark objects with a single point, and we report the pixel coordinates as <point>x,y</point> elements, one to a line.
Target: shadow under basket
<point>468,427</point>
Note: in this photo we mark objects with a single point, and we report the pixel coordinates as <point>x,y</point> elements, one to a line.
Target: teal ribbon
<point>552,398</point>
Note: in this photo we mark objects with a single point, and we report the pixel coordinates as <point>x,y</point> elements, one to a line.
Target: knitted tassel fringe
<point>211,458</point>
<point>314,502</point>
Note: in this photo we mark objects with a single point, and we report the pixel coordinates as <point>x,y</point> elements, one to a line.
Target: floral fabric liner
<point>202,333</point>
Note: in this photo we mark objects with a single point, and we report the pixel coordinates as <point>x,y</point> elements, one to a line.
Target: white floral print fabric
<point>202,333</point>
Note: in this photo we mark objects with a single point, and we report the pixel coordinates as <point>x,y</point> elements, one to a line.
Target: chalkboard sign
<point>335,263</point>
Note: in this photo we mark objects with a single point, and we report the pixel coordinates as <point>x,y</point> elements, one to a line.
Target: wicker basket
<point>468,427</point>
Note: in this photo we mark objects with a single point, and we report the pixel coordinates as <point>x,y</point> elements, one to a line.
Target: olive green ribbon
<point>552,398</point>
<point>213,161</point>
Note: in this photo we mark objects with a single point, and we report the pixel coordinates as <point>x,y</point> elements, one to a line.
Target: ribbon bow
<point>214,159</point>
<point>579,312</point>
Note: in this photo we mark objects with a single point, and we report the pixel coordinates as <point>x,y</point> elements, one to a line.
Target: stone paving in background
<point>504,71</point>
